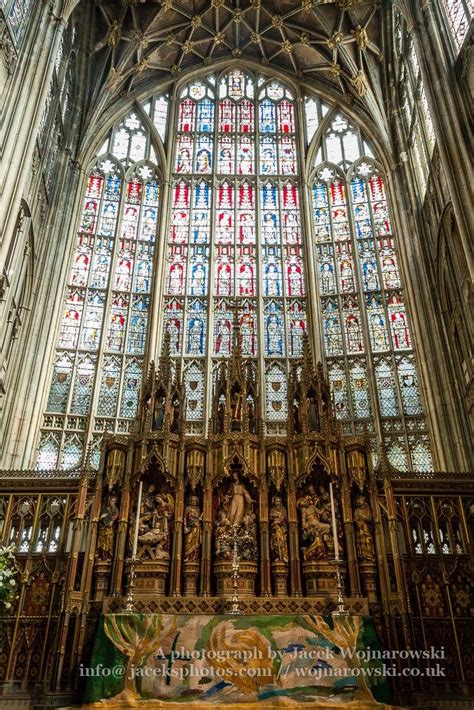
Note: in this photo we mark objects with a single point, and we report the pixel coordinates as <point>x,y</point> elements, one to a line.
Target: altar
<point>232,661</point>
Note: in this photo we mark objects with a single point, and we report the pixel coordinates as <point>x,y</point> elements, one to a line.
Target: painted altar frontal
<point>176,661</point>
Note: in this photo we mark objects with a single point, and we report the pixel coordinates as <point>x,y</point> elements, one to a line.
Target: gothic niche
<point>363,519</point>
<point>235,530</point>
<point>279,555</point>
<point>153,532</point>
<point>163,396</point>
<point>192,532</point>
<point>318,551</point>
<point>107,526</point>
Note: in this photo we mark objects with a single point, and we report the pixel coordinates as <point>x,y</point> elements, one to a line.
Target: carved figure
<point>363,520</point>
<point>107,526</point>
<point>278,531</point>
<point>192,530</point>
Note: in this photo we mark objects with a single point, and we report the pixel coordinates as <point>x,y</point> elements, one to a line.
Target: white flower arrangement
<point>8,592</point>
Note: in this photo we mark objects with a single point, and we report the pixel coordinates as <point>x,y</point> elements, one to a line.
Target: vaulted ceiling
<point>335,43</point>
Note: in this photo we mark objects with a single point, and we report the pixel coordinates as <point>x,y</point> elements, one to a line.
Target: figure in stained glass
<point>378,332</point>
<point>130,221</point>
<point>246,287</point>
<point>274,333</point>
<point>223,337</point>
<point>245,156</point>
<point>270,228</point>
<point>224,280</point>
<point>346,275</point>
<point>150,216</point>
<point>247,330</point>
<point>100,268</point>
<point>203,161</point>
<point>328,283</point>
<point>173,328</point>
<point>123,273</point>
<point>390,272</point>
<point>246,228</point>
<point>89,216</point>
<point>294,280</point>
<point>369,274</point>
<point>297,328</point>
<point>354,334</point>
<point>195,337</point>
<point>108,219</point>
<point>183,159</point>
<point>400,333</point>
<point>198,280</point>
<point>176,279</point>
<point>272,280</point>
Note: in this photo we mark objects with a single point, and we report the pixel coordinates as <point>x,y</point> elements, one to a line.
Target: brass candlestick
<point>235,603</point>
<point>129,607</point>
<point>341,606</point>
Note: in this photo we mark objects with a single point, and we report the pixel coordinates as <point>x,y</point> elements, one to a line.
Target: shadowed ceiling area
<point>335,43</point>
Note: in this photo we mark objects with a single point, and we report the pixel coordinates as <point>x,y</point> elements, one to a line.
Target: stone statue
<point>154,526</point>
<point>363,520</point>
<point>296,418</point>
<point>251,416</point>
<point>313,414</point>
<point>192,530</point>
<point>158,413</point>
<point>240,499</point>
<point>175,417</point>
<point>278,531</point>
<point>223,537</point>
<point>314,529</point>
<point>220,418</point>
<point>236,517</point>
<point>247,542</point>
<point>107,526</point>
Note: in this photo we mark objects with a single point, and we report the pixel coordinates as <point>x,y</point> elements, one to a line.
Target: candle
<point>334,526</point>
<point>137,520</point>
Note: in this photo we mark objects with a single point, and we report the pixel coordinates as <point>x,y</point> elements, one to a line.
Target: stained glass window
<point>458,14</point>
<point>17,12</point>
<point>102,335</point>
<point>234,239</point>
<point>415,111</point>
<point>366,331</point>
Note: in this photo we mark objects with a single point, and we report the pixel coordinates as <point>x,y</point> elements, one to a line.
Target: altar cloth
<point>178,661</point>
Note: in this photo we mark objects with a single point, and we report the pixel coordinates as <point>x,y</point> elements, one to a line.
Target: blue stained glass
<point>369,273</point>
<point>113,187</point>
<point>320,195</point>
<point>269,197</point>
<point>198,279</point>
<point>358,190</point>
<point>267,116</point>
<point>151,193</point>
<point>205,120</point>
<point>274,329</point>
<point>195,339</point>
<point>202,195</point>
<point>272,279</point>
